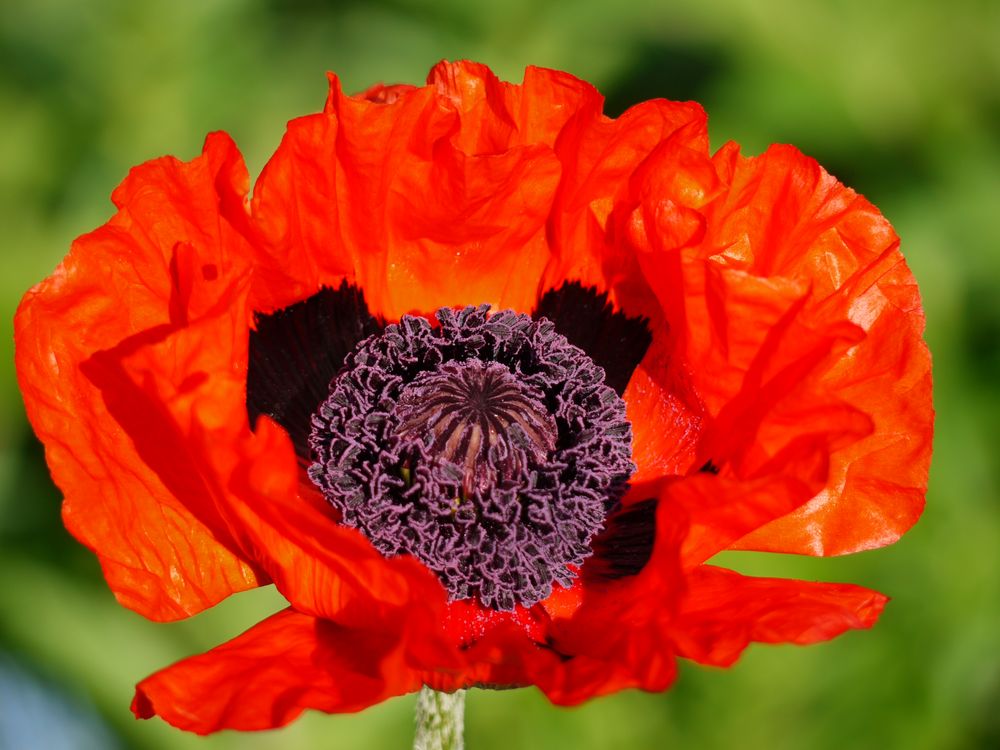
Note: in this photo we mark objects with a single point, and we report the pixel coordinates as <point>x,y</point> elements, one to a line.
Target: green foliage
<point>900,100</point>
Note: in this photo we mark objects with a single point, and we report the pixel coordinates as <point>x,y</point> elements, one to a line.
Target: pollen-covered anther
<point>488,447</point>
<point>477,416</point>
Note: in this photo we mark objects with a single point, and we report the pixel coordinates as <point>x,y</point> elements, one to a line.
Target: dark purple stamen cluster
<point>489,447</point>
<point>477,416</point>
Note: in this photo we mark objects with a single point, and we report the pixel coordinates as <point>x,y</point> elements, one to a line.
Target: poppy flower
<point>480,379</point>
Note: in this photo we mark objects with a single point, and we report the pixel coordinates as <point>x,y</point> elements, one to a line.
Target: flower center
<point>477,416</point>
<point>488,447</point>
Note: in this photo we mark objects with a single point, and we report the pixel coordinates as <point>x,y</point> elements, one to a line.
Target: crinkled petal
<point>612,632</point>
<point>818,229</point>
<point>877,484</point>
<point>666,416</point>
<point>496,116</point>
<point>721,510</point>
<point>507,657</point>
<point>383,193</point>
<point>600,156</point>
<point>267,676</point>
<point>195,375</point>
<point>796,317</point>
<point>722,612</point>
<point>129,492</point>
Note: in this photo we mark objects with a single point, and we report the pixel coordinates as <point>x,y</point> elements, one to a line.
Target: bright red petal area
<point>720,510</point>
<point>796,321</point>
<point>598,637</point>
<point>603,635</point>
<point>465,191</point>
<point>392,192</point>
<point>270,674</point>
<point>130,492</point>
<point>496,116</point>
<point>665,415</point>
<point>194,379</point>
<point>600,157</point>
<point>723,612</point>
<point>506,657</point>
<point>816,227</point>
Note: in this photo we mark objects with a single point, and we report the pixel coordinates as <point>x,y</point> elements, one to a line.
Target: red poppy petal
<point>507,657</point>
<point>599,158</point>
<point>196,375</point>
<point>612,634</point>
<point>384,194</point>
<point>162,546</point>
<point>780,412</point>
<point>319,203</point>
<point>819,228</point>
<point>798,317</point>
<point>720,510</point>
<point>773,430</point>
<point>666,416</point>
<point>722,612</point>
<point>384,94</point>
<point>267,676</point>
<point>877,485</point>
<point>452,244</point>
<point>570,678</point>
<point>497,116</point>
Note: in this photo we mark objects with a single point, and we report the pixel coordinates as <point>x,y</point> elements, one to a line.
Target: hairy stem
<point>440,720</point>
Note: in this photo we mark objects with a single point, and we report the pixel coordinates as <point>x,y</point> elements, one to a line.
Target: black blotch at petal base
<point>612,339</point>
<point>295,353</point>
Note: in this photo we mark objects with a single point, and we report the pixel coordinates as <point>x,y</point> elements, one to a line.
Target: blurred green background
<point>900,100</point>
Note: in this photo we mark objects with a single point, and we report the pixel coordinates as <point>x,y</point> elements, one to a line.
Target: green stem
<point>440,720</point>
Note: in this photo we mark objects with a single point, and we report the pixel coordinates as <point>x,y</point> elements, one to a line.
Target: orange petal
<point>720,510</point>
<point>162,546</point>
<point>820,229</point>
<point>877,484</point>
<point>318,204</point>
<point>387,194</point>
<point>496,116</point>
<point>267,676</point>
<point>666,417</point>
<point>600,157</point>
<point>598,637</point>
<point>794,314</point>
<point>196,376</point>
<point>509,658</point>
<point>722,612</point>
